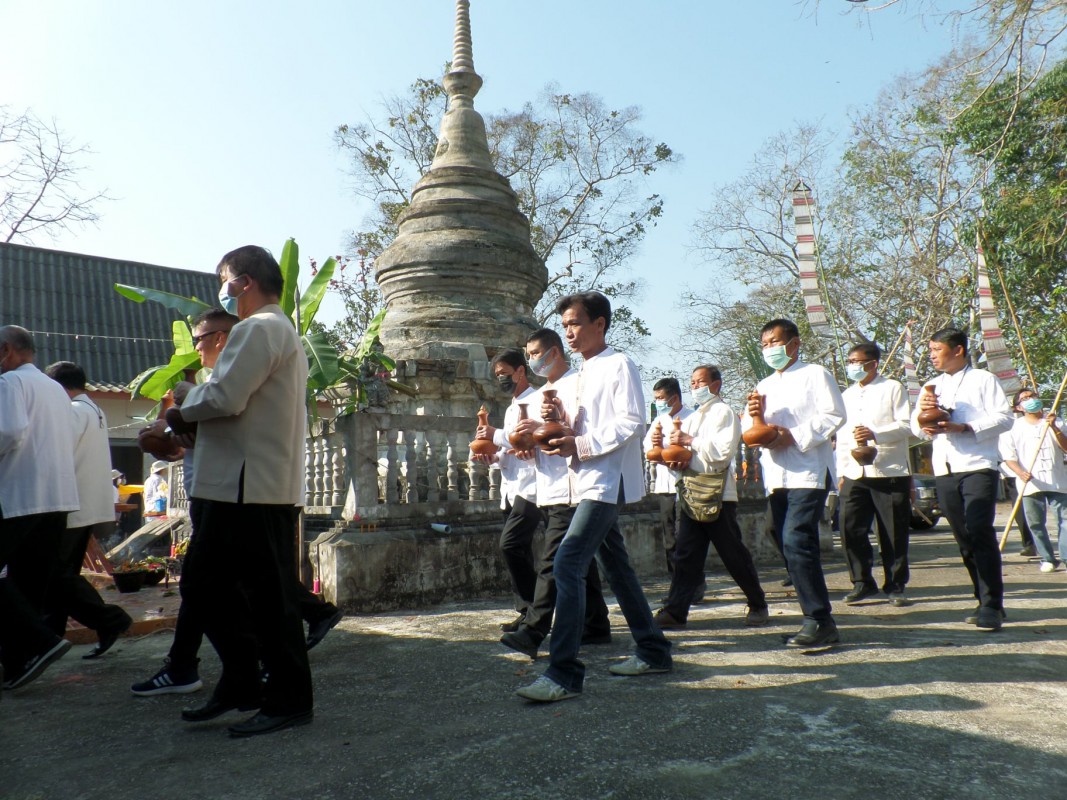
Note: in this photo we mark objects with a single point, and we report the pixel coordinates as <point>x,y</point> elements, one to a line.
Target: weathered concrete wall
<point>392,569</point>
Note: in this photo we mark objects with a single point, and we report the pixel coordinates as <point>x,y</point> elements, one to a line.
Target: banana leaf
<point>187,306</point>
<point>290,264</point>
<point>323,367</point>
<point>164,378</point>
<point>312,297</point>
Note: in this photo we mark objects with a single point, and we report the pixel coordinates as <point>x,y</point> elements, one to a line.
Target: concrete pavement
<point>913,704</point>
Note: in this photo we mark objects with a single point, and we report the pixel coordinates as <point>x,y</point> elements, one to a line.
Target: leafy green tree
<point>1024,225</point>
<point>578,167</point>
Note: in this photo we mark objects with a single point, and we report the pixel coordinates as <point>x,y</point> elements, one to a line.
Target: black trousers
<point>239,580</point>
<point>885,502</point>
<point>516,545</point>
<point>538,620</point>
<point>969,502</point>
<point>72,595</point>
<point>668,521</point>
<point>189,629</point>
<point>691,552</point>
<point>28,548</point>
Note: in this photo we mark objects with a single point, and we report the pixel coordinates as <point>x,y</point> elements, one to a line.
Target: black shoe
<point>1028,551</point>
<point>521,641</point>
<point>261,723</point>
<point>787,581</point>
<point>511,627</point>
<point>667,621</point>
<point>989,619</point>
<point>38,664</point>
<point>972,618</point>
<point>105,639</point>
<point>318,631</point>
<point>596,638</point>
<point>860,591</point>
<point>216,708</point>
<point>813,634</point>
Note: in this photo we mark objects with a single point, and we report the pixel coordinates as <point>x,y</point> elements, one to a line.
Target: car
<point>925,511</point>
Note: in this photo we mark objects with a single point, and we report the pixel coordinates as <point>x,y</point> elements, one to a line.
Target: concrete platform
<point>913,704</point>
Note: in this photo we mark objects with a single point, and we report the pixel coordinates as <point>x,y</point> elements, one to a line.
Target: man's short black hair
<point>222,318</point>
<point>713,372</point>
<point>787,325</point>
<point>513,357</point>
<point>596,305</point>
<point>870,350</point>
<point>668,385</point>
<point>67,374</point>
<point>547,338</point>
<point>256,262</point>
<point>953,337</point>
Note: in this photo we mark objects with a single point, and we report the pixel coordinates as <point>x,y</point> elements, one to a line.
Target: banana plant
<point>324,366</point>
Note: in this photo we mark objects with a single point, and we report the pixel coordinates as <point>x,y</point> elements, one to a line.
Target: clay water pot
<point>522,441</point>
<point>676,454</point>
<point>865,454</point>
<point>483,447</point>
<point>655,455</point>
<point>760,434</point>
<point>551,428</point>
<point>932,416</point>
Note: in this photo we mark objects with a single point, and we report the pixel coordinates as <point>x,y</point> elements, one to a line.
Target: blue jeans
<point>796,514</point>
<point>594,532</point>
<point>1034,509</point>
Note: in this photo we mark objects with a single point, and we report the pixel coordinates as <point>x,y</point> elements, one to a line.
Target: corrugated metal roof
<point>69,302</point>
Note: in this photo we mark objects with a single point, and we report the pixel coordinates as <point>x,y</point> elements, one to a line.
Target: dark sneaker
<point>169,680</point>
<point>667,621</point>
<point>38,664</point>
<point>521,641</point>
<point>860,592</point>
<point>989,619</point>
<point>757,617</point>
<point>972,618</point>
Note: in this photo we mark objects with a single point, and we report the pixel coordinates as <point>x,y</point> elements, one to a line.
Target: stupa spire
<point>462,140</point>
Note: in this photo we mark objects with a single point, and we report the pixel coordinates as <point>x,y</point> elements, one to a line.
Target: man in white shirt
<point>965,457</point>
<point>73,595</point>
<point>37,491</point>
<point>518,488</point>
<point>607,421</point>
<point>1044,485</point>
<point>804,406</point>
<point>545,351</point>
<point>877,414</point>
<point>713,433</point>
<point>667,395</point>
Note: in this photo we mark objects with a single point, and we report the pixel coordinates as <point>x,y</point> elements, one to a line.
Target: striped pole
<point>996,351</point>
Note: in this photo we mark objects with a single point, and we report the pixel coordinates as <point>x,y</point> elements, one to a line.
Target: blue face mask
<point>228,303</point>
<point>1031,405</point>
<point>777,356</point>
<point>855,372</point>
<point>663,407</point>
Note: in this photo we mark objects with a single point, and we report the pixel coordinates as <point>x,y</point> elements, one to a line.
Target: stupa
<point>461,279</point>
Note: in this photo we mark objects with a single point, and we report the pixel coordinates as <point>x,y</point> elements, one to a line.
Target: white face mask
<point>542,366</point>
<point>702,394</point>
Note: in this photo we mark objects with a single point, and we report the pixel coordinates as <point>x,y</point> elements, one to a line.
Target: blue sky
<point>212,123</point>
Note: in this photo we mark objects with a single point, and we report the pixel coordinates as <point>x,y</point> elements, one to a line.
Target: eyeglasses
<point>198,339</point>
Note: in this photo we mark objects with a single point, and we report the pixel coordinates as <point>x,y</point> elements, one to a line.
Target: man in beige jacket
<point>250,422</point>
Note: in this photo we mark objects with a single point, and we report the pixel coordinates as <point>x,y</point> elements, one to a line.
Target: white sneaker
<point>545,690</point>
<point>1047,566</point>
<point>635,666</point>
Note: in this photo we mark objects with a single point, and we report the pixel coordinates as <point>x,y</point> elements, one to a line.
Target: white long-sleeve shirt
<point>882,406</point>
<point>977,399</point>
<point>92,465</point>
<point>608,422</point>
<point>1020,443</point>
<point>665,478</point>
<point>716,433</point>
<point>805,399</point>
<point>36,445</point>
<point>517,477</point>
